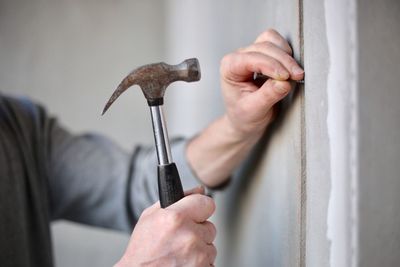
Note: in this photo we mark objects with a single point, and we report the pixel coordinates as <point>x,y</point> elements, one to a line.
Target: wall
<point>379,132</point>
<point>330,49</point>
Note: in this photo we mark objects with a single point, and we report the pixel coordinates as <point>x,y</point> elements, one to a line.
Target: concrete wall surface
<point>379,132</point>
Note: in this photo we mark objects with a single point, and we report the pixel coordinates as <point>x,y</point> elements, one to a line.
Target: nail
<point>297,70</point>
<point>283,75</point>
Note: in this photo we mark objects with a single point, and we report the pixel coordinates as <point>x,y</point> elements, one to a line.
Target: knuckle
<point>212,229</point>
<point>213,252</point>
<point>276,66</point>
<point>191,239</point>
<point>225,63</point>
<point>289,59</point>
<point>173,219</point>
<point>190,242</point>
<point>261,46</point>
<point>202,259</point>
<point>270,34</point>
<point>269,45</point>
<point>271,31</point>
<point>227,59</point>
<point>224,59</point>
<point>208,203</point>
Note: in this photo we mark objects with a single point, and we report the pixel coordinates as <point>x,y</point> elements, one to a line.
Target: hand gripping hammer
<point>154,79</point>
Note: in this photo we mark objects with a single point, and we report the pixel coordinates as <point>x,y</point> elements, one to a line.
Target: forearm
<point>218,150</point>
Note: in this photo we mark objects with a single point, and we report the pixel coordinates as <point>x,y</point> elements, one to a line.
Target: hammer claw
<point>125,84</point>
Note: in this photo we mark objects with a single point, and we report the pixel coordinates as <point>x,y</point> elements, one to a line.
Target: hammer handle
<point>169,185</point>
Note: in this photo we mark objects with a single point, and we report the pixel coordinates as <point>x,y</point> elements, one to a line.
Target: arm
<point>93,181</point>
<point>83,178</point>
<point>220,148</point>
<point>215,152</point>
<point>48,172</point>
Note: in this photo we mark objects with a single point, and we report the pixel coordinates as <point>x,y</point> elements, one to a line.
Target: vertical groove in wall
<point>303,195</point>
<point>353,44</point>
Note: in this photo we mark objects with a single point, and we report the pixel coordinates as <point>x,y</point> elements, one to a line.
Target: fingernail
<point>297,70</point>
<point>283,75</point>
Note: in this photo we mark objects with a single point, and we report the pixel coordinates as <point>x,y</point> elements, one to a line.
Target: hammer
<point>154,79</point>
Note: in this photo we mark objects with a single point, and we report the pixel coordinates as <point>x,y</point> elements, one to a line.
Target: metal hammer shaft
<point>170,188</point>
<point>160,135</point>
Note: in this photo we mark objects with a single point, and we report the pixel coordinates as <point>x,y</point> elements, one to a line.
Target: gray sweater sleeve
<point>93,181</point>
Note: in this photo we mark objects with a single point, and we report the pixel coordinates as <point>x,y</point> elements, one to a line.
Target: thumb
<point>271,92</point>
<point>196,190</point>
<point>196,207</point>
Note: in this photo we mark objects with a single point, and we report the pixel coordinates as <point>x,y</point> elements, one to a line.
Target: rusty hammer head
<point>153,79</point>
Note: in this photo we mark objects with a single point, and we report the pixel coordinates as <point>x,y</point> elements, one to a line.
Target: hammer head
<point>153,79</point>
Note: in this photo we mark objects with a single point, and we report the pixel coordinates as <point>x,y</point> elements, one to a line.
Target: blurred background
<point>321,188</point>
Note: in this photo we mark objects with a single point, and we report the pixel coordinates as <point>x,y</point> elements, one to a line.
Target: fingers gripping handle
<point>169,185</point>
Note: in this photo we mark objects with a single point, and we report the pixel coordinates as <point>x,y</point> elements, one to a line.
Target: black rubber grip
<point>169,185</point>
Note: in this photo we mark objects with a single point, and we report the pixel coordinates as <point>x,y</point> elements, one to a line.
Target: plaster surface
<point>342,220</point>
<point>316,64</point>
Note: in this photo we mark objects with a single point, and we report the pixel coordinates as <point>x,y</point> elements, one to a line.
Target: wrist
<point>241,133</point>
<point>218,150</point>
